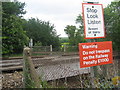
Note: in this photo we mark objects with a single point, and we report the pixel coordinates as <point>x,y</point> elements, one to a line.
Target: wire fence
<point>49,50</point>
<point>41,48</point>
<point>63,71</point>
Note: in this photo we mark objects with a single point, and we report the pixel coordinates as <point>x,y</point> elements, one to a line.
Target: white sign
<point>93,20</point>
<point>94,1</point>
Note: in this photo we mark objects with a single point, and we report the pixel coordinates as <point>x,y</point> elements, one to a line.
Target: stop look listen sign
<point>93,20</point>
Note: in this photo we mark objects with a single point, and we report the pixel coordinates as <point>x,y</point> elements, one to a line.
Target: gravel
<point>12,80</point>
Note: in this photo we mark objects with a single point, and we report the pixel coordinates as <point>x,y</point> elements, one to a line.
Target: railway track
<point>17,63</point>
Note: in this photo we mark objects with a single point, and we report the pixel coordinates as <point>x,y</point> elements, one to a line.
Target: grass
<point>16,55</point>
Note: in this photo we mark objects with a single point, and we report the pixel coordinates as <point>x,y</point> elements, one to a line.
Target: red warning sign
<point>95,53</point>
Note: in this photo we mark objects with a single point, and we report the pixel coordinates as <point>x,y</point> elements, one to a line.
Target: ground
<point>12,80</point>
<point>15,80</point>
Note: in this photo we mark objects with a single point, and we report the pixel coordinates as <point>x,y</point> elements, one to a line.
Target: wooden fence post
<point>64,48</point>
<point>51,49</point>
<point>31,78</point>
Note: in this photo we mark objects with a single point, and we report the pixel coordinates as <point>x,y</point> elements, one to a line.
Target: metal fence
<point>63,71</point>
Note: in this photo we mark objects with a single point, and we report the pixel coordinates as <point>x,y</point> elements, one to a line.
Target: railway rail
<point>17,63</point>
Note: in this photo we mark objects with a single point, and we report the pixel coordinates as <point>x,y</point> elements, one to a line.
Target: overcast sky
<point>58,12</point>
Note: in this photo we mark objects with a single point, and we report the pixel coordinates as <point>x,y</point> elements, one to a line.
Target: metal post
<point>94,68</point>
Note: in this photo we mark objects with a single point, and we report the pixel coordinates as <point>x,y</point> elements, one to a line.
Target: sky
<point>58,12</point>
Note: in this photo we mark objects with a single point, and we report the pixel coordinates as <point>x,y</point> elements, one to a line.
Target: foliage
<point>116,80</point>
<point>64,40</point>
<point>79,20</point>
<point>38,43</point>
<point>112,26</point>
<point>42,32</point>
<point>16,30</point>
<point>74,35</point>
<point>112,23</point>
<point>13,35</point>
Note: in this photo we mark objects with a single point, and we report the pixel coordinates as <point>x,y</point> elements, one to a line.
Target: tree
<point>13,35</point>
<point>70,31</point>
<point>64,40</point>
<point>112,23</point>
<point>41,31</point>
<point>74,34</point>
<point>79,20</point>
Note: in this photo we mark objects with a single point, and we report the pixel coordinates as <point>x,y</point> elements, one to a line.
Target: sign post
<point>96,53</point>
